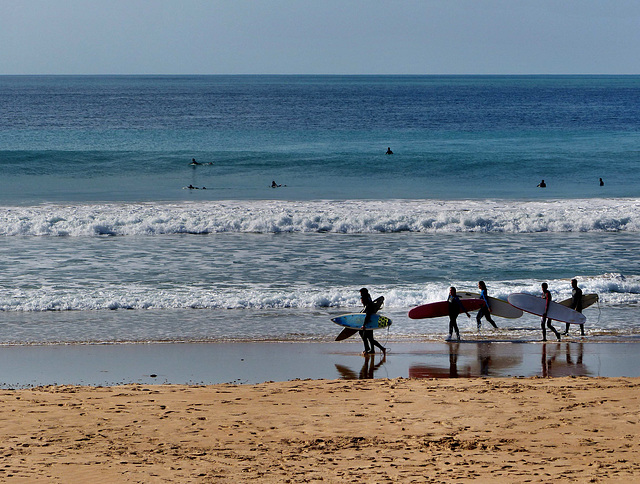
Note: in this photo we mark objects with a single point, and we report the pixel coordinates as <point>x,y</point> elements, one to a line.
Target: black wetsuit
<point>484,310</point>
<point>546,322</point>
<point>370,308</point>
<point>454,309</point>
<point>576,303</point>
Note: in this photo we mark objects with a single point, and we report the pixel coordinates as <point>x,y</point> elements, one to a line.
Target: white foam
<point>613,289</point>
<point>359,216</point>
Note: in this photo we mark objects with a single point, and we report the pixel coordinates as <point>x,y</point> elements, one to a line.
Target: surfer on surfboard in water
<point>370,307</point>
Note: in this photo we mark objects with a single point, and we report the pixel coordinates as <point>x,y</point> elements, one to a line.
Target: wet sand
<point>571,429</point>
<point>213,363</point>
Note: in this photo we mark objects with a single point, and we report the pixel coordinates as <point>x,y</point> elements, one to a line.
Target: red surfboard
<point>441,308</point>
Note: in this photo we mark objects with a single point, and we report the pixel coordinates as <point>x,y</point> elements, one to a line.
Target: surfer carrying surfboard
<point>455,305</point>
<point>486,309</point>
<point>547,297</point>
<point>370,307</point>
<point>576,304</point>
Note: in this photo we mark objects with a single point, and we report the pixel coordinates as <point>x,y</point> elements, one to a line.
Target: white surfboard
<point>499,307</point>
<point>536,305</point>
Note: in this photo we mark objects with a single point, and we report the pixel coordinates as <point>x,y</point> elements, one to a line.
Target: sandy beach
<point>570,429</point>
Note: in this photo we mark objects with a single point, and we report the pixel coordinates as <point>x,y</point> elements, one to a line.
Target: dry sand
<point>400,430</point>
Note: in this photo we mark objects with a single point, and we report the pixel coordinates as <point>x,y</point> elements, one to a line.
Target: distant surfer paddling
<point>576,304</point>
<point>542,184</point>
<point>370,307</point>
<point>274,184</point>
<point>545,320</point>
<point>455,306</point>
<point>194,162</point>
<point>389,152</point>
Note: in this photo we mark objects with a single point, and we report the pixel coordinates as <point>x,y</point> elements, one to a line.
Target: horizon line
<point>320,74</point>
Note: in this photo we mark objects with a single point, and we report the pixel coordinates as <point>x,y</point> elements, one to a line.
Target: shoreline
<point>258,362</point>
<point>502,430</point>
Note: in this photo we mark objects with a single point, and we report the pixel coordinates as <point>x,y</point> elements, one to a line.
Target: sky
<point>320,37</point>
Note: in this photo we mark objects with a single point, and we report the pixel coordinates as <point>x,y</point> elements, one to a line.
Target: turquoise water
<point>131,138</point>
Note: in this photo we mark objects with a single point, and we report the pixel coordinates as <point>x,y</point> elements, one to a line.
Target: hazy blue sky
<point>320,37</point>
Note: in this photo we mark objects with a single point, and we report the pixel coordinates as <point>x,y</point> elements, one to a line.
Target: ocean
<point>101,241</point>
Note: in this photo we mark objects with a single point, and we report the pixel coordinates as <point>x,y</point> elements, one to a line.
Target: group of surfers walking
<point>455,308</point>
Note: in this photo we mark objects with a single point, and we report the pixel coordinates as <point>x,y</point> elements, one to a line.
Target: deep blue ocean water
<point>100,239</point>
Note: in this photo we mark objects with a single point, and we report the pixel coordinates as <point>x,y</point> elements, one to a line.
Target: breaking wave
<point>613,289</point>
<point>360,216</point>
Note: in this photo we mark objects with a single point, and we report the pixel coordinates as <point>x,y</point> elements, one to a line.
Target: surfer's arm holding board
<point>461,306</point>
<point>483,296</point>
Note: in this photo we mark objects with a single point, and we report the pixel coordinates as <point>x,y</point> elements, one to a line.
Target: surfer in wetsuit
<point>576,304</point>
<point>389,152</point>
<point>455,305</point>
<point>486,309</point>
<point>370,307</point>
<point>542,184</point>
<point>545,320</point>
<point>601,182</point>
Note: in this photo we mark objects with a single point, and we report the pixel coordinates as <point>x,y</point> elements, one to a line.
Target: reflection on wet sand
<point>421,371</point>
<point>559,360</point>
<point>367,371</point>
<point>480,359</point>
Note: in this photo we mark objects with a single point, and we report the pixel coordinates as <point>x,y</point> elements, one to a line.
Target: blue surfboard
<point>353,323</point>
<point>356,320</point>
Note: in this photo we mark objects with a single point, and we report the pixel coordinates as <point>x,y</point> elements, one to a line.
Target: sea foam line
<point>613,289</point>
<point>353,216</point>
